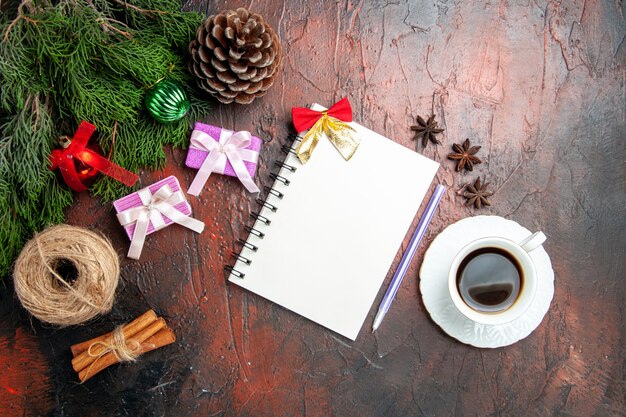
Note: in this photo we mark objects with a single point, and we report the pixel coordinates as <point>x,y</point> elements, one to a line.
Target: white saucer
<point>434,283</point>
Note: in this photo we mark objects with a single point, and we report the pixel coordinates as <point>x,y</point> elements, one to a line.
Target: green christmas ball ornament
<point>167,101</point>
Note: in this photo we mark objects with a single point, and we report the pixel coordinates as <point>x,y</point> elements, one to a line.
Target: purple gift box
<point>195,157</point>
<point>133,200</point>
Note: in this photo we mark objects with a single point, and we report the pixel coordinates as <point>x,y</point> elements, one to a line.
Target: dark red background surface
<point>540,85</point>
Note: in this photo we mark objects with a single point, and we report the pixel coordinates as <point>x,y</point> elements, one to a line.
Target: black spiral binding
<point>248,245</point>
<point>254,231</point>
<point>273,192</point>
<point>259,217</point>
<point>286,149</point>
<point>280,178</point>
<point>233,271</point>
<point>242,258</point>
<point>286,166</point>
<point>267,205</point>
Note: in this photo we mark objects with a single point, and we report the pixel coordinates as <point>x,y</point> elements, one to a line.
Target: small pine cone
<point>235,56</point>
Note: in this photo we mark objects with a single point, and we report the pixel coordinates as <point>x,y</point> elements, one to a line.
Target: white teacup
<point>516,252</point>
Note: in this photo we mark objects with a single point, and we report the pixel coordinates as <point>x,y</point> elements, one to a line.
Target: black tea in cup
<point>489,280</point>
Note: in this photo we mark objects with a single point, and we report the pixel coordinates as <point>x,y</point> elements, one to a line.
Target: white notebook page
<point>337,230</point>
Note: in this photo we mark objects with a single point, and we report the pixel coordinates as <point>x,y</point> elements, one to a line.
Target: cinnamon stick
<point>86,358</point>
<point>163,337</point>
<point>130,330</point>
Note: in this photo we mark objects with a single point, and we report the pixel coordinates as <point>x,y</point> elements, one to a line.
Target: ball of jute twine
<point>67,300</point>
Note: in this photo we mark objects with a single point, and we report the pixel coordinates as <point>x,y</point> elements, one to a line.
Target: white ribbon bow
<point>154,208</point>
<point>232,147</point>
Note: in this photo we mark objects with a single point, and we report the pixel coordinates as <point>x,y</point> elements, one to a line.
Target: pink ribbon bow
<point>232,147</point>
<point>154,207</point>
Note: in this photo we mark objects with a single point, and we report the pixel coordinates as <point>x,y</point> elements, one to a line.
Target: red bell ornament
<point>79,164</point>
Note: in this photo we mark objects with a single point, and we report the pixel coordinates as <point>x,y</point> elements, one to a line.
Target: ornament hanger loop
<point>65,141</point>
<point>170,68</point>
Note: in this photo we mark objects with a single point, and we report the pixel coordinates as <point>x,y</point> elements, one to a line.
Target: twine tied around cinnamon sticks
<point>125,350</point>
<point>124,344</point>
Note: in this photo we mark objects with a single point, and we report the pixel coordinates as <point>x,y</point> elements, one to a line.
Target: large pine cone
<point>236,56</point>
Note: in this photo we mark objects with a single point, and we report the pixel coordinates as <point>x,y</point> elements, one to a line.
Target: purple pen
<point>408,256</point>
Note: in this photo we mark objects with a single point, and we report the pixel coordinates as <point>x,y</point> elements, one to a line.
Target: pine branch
<point>20,15</point>
<point>68,61</point>
<point>127,5</point>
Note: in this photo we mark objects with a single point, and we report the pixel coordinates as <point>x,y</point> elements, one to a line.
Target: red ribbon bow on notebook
<point>65,160</point>
<point>332,123</point>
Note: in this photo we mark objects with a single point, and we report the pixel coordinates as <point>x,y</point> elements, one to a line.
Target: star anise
<point>426,129</point>
<point>477,194</point>
<point>464,154</point>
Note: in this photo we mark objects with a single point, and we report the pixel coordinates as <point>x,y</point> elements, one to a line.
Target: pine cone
<point>235,56</point>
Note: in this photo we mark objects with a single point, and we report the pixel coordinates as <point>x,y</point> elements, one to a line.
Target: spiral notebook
<point>329,230</point>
